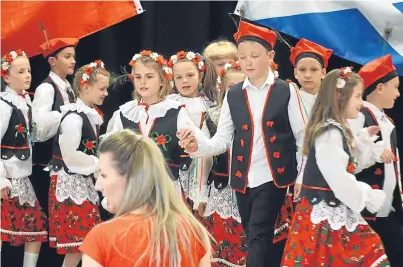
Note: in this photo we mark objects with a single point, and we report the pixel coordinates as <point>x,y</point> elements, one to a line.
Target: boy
<point>381,83</point>
<point>263,117</point>
<point>50,95</point>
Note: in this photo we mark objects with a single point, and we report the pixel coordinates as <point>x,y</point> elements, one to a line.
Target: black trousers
<point>259,208</point>
<point>391,232</point>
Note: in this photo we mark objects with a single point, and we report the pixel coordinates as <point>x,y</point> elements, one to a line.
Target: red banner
<point>21,20</point>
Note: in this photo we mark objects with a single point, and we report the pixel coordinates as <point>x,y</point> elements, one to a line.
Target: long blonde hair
<point>149,185</point>
<point>166,84</point>
<point>330,104</point>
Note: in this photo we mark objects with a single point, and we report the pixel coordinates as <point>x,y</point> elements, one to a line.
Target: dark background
<point>166,28</point>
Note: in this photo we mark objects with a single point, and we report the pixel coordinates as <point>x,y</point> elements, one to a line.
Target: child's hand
<point>387,156</point>
<point>187,140</point>
<point>373,130</point>
<point>5,193</point>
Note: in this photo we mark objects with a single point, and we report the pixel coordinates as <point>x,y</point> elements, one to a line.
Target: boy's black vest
<point>163,132</point>
<point>219,174</point>
<point>15,141</point>
<point>315,188</point>
<point>42,152</point>
<point>374,175</point>
<point>278,137</point>
<point>88,142</point>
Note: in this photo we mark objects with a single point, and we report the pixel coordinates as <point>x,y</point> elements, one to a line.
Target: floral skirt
<point>69,222</point>
<point>230,246</point>
<point>311,245</point>
<point>22,222</point>
<point>282,226</point>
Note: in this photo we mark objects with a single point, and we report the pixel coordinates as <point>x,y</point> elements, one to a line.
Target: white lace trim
<point>223,202</point>
<point>194,105</point>
<point>380,260</point>
<point>11,96</point>
<point>79,106</point>
<point>22,188</point>
<point>229,264</point>
<point>337,217</point>
<point>76,187</point>
<point>76,244</point>
<point>23,233</point>
<point>135,112</point>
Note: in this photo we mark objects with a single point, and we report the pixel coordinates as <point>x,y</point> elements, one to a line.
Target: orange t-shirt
<point>121,242</point>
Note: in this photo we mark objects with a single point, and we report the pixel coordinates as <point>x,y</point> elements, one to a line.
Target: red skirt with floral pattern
<point>69,222</point>
<point>22,223</point>
<point>230,246</point>
<point>311,245</point>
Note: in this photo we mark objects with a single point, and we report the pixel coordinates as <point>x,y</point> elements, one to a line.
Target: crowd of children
<point>236,139</point>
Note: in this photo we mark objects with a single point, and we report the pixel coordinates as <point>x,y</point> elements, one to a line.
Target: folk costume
<point>22,219</point>
<point>327,228</point>
<point>267,130</point>
<point>388,221</point>
<point>72,195</point>
<point>50,95</point>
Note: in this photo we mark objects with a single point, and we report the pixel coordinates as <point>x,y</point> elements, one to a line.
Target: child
<point>73,198</point>
<point>54,92</point>
<point>230,246</point>
<point>262,119</point>
<point>220,53</point>
<point>381,83</point>
<point>22,219</point>
<point>195,80</point>
<point>151,113</point>
<point>327,228</point>
<point>310,61</point>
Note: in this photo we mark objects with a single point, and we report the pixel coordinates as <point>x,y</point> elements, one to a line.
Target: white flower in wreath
<point>136,56</point>
<point>190,55</point>
<point>347,70</point>
<point>167,70</point>
<point>13,54</point>
<point>200,65</point>
<point>5,65</point>
<point>276,74</point>
<point>85,77</point>
<point>174,58</point>
<point>154,56</point>
<point>218,81</point>
<point>23,54</point>
<point>102,65</point>
<point>340,83</point>
<point>93,65</point>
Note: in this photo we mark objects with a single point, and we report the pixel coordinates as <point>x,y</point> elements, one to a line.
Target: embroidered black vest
<point>88,143</point>
<point>374,175</point>
<point>163,132</point>
<point>42,151</point>
<point>219,174</point>
<point>15,141</point>
<point>315,188</point>
<point>278,137</point>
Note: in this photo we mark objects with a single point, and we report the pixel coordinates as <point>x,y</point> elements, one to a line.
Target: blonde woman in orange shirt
<point>152,225</point>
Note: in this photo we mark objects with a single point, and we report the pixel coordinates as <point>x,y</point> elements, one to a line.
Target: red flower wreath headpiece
<point>157,58</point>
<point>228,66</point>
<point>88,70</point>
<point>8,59</point>
<point>341,81</point>
<point>191,56</point>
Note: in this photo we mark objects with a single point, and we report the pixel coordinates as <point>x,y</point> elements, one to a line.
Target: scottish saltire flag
<point>359,31</point>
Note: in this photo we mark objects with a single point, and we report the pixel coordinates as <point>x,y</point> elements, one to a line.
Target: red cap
<point>377,69</point>
<point>250,30</point>
<point>55,45</point>
<point>306,46</point>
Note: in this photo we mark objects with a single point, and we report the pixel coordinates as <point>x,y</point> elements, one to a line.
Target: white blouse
<point>13,167</point>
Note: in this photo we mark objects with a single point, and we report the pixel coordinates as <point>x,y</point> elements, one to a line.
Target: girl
<point>151,113</point>
<point>221,209</point>
<point>195,80</point>
<point>327,229</point>
<point>22,219</point>
<point>149,212</point>
<point>220,53</point>
<point>72,196</point>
